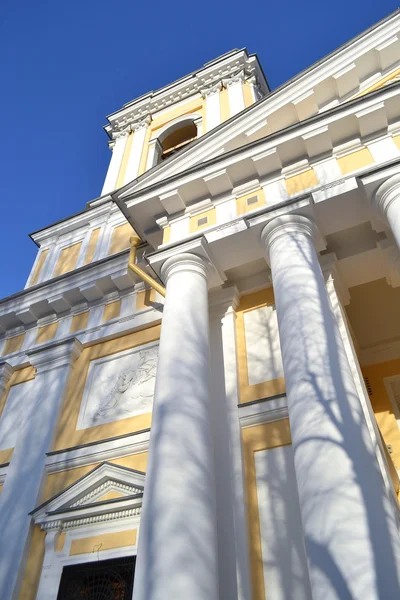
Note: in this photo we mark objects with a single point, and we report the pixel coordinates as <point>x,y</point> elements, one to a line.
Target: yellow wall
<point>104,541</point>
<point>79,322</point>
<point>67,259</point>
<point>13,344</point>
<point>396,139</point>
<point>248,95</point>
<point>94,236</point>
<point>382,406</point>
<point>67,435</point>
<point>46,333</point>
<point>120,238</point>
<point>300,182</point>
<point>355,160</point>
<point>210,215</point>
<point>248,392</point>
<point>57,482</point>
<point>196,105</point>
<point>145,299</point>
<point>111,311</point>
<point>241,202</point>
<point>30,582</point>
<point>255,439</point>
<point>380,83</point>
<point>39,266</point>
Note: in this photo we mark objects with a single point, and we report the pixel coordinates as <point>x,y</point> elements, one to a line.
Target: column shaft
<point>22,486</point>
<point>177,539</point>
<point>351,539</point>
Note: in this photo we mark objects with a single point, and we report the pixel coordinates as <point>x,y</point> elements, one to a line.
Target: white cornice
<point>207,78</point>
<point>334,65</point>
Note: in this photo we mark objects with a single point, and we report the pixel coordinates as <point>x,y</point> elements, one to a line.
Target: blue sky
<point>65,65</point>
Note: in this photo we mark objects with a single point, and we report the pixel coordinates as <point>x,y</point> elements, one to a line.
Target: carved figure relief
<point>119,386</point>
<point>133,387</point>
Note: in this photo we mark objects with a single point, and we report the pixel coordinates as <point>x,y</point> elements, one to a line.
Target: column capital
<point>290,224</point>
<point>185,262</point>
<point>56,355</point>
<point>386,194</point>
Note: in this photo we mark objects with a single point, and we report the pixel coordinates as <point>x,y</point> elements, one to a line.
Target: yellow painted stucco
<point>120,238</point>
<point>255,439</point>
<point>196,105</point>
<point>145,299</point>
<point>247,392</point>
<point>67,259</point>
<point>57,482</point>
<point>111,310</point>
<point>124,162</point>
<point>166,234</point>
<point>396,139</point>
<point>110,496</point>
<point>224,105</point>
<point>91,249</point>
<point>46,333</point>
<point>67,434</point>
<point>13,344</point>
<point>302,181</point>
<point>241,202</point>
<point>79,322</point>
<point>104,541</point>
<point>383,81</point>
<point>5,455</point>
<point>355,160</point>
<point>247,94</point>
<point>210,215</point>
<point>33,569</point>
<point>60,542</point>
<point>20,376</point>
<point>39,266</point>
<point>382,406</point>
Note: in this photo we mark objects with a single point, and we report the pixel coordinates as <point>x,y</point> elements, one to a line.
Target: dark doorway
<point>102,580</point>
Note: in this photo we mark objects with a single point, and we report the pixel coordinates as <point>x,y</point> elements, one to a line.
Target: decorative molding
<point>212,74</point>
<point>126,445</point>
<point>263,411</point>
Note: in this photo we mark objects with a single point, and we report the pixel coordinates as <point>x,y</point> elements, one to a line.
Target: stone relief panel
<point>119,386</point>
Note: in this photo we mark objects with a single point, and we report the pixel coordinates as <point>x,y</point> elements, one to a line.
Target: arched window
<point>177,139</point>
<point>173,137</point>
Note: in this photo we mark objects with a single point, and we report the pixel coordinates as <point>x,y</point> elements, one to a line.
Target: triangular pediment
<point>349,72</point>
<point>107,488</point>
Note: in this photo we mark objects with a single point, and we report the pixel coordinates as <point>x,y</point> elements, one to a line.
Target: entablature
<point>220,70</point>
<point>344,141</point>
<point>339,77</point>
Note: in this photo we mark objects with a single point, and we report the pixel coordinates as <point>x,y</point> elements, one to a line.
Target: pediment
<point>349,72</point>
<point>107,489</point>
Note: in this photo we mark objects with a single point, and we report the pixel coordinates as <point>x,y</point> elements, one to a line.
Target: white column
<point>139,135</point>
<point>351,539</point>
<point>235,94</point>
<point>213,109</point>
<point>233,547</point>
<point>387,201</point>
<point>154,153</point>
<point>177,554</point>
<point>22,487</point>
<point>115,162</point>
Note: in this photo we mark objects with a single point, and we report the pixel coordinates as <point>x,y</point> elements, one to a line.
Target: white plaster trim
<point>264,411</point>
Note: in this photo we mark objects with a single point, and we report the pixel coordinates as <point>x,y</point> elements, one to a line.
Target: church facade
<point>200,381</point>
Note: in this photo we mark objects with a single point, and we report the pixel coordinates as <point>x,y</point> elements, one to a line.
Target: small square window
<point>202,221</point>
<point>252,200</point>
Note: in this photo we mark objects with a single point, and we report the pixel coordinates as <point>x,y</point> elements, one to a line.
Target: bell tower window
<point>178,139</point>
